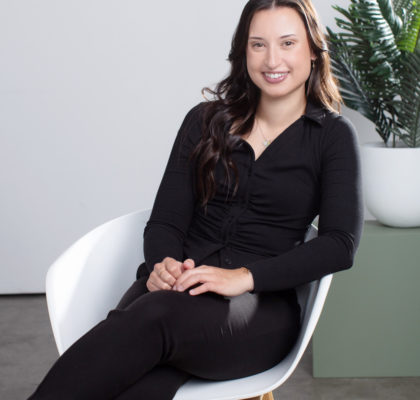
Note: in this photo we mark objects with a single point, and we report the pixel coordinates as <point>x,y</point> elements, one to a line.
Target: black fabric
<point>152,342</point>
<point>312,168</point>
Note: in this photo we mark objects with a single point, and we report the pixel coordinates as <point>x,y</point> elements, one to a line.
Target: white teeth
<point>275,76</point>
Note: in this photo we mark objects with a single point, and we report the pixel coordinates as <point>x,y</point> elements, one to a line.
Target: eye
<point>288,43</point>
<point>257,44</point>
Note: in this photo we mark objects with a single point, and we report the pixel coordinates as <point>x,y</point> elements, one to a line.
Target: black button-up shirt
<point>312,168</point>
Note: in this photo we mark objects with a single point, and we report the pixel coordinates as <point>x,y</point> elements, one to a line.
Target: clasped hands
<point>171,274</point>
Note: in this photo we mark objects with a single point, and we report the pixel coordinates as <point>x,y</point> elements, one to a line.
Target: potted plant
<point>376,59</point>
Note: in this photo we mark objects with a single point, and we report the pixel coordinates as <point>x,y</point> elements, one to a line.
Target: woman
<point>248,173</point>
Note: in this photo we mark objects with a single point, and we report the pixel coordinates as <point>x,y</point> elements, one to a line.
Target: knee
<point>162,311</point>
<point>159,307</point>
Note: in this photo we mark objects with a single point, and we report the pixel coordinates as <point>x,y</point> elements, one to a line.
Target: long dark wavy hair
<point>236,97</point>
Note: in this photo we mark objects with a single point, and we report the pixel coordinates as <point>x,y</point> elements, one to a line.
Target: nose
<point>273,57</point>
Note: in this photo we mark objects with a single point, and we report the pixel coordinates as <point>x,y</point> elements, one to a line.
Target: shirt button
<point>228,261</point>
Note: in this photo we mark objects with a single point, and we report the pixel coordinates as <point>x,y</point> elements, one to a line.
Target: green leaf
<point>409,12</point>
<point>390,16</point>
<point>408,104</point>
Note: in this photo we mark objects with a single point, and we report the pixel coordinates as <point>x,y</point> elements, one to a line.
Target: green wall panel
<point>370,325</point>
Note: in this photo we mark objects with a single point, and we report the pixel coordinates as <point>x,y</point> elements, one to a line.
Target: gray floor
<point>27,350</point>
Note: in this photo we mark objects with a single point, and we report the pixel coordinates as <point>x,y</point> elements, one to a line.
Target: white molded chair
<point>90,277</point>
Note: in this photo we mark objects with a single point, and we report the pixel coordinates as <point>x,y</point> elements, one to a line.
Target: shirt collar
<point>315,112</point>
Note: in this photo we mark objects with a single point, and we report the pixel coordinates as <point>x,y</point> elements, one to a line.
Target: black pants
<point>152,342</point>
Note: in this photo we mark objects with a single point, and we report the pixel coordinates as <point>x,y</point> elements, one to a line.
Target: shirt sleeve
<point>173,207</point>
<point>340,218</point>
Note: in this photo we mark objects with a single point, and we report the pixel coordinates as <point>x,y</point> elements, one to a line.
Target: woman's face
<point>278,44</point>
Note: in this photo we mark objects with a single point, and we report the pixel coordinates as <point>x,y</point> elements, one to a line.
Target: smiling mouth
<point>275,77</point>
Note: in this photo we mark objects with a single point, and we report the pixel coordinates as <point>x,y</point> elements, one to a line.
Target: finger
<point>191,272</point>
<point>182,279</point>
<point>158,268</point>
<point>205,287</point>
<point>163,286</point>
<point>151,286</point>
<point>174,268</point>
<point>188,264</point>
<point>159,283</point>
<point>166,277</point>
<point>193,277</point>
<point>163,274</point>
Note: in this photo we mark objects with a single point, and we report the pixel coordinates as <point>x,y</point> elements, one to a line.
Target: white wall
<point>92,94</point>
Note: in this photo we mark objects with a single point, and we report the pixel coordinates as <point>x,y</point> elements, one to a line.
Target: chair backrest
<point>91,276</point>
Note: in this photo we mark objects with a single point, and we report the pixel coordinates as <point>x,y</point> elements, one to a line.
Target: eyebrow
<point>280,37</point>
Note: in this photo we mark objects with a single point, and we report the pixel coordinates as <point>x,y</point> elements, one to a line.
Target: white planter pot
<point>391,183</point>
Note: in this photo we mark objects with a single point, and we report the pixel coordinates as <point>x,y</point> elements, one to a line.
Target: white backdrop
<point>92,93</point>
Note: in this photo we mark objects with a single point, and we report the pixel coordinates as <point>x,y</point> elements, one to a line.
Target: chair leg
<point>267,396</point>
